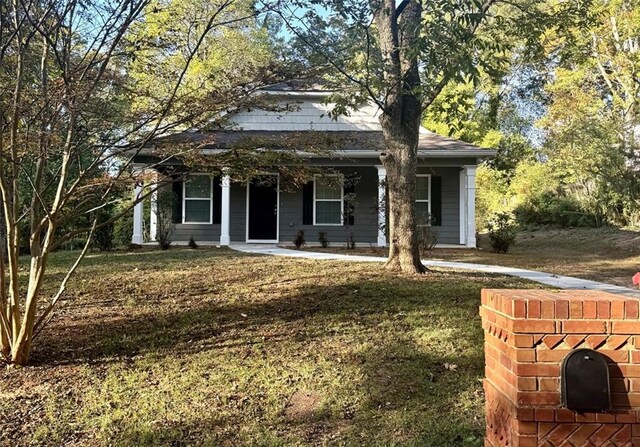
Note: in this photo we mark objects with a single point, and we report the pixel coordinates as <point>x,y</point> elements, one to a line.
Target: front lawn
<point>606,254</point>
<point>211,347</point>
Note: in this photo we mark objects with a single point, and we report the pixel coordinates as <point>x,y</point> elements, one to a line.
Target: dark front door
<point>263,208</point>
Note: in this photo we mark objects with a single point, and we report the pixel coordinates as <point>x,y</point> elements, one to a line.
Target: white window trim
<point>184,200</point>
<point>328,200</point>
<point>429,199</point>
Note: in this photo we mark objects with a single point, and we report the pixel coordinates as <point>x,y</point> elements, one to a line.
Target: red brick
<point>551,355</point>
<point>594,341</point>
<point>619,356</point>
<point>547,310</point>
<point>519,309</point>
<point>584,327</point>
<point>533,309</point>
<point>525,428</point>
<point>526,384</point>
<point>575,309</point>
<point>574,340</point>
<point>565,416</point>
<point>617,310</point>
<point>604,433</point>
<point>538,398</point>
<point>631,309</point>
<point>604,309</point>
<point>585,417</point>
<point>622,436</point>
<point>537,370</point>
<point>562,309</point>
<point>605,418</point>
<point>549,384</point>
<point>625,327</point>
<point>544,415</point>
<point>589,310</point>
<point>523,341</point>
<point>533,326</point>
<point>551,341</point>
<point>626,417</point>
<point>617,341</point>
<point>628,371</point>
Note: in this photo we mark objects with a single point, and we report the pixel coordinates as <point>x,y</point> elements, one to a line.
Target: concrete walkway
<point>549,279</point>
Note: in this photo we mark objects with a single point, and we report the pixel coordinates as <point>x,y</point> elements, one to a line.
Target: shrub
<point>103,237</point>
<point>123,227</point>
<point>166,227</point>
<point>502,233</point>
<point>299,239</point>
<point>322,237</point>
<point>555,210</point>
<point>351,242</point>
<point>192,243</point>
<point>427,236</point>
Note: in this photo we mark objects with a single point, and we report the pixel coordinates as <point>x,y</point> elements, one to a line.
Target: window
<point>198,199</point>
<point>327,200</point>
<point>423,199</point>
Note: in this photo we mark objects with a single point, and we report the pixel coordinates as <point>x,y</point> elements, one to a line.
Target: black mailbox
<point>585,382</point>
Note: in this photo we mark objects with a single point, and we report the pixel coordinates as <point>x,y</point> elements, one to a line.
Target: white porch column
<point>463,206</point>
<point>225,239</point>
<point>138,214</point>
<point>153,215</point>
<point>382,208</point>
<point>470,212</point>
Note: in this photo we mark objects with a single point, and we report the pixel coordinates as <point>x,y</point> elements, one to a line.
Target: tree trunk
<point>398,31</point>
<point>404,252</point>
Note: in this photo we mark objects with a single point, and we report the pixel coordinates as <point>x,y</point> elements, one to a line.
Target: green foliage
<point>123,227</point>
<point>165,205</point>
<point>555,210</point>
<point>502,232</point>
<point>104,237</point>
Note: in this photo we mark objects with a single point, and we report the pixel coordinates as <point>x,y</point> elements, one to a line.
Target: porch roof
<point>357,144</point>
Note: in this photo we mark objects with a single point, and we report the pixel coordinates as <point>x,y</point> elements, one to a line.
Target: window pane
<point>422,188</point>
<point>197,211</point>
<point>198,187</point>
<point>422,213</point>
<point>328,188</point>
<point>328,213</point>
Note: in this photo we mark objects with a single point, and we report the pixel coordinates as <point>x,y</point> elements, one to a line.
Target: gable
<point>304,114</point>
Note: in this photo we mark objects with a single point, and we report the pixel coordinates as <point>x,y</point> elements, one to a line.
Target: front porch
<point>219,211</point>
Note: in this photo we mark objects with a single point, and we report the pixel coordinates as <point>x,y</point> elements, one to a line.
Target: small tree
<point>165,201</point>
<point>85,85</point>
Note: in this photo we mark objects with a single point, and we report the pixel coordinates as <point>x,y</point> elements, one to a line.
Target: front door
<point>262,209</point>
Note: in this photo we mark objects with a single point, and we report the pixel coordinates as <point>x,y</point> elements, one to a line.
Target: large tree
<point>400,55</point>
<point>83,86</point>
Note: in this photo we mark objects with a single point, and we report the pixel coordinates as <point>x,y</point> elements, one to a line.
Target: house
<point>220,211</point>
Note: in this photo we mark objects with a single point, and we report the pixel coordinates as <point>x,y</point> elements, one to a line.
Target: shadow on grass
<point>419,353</point>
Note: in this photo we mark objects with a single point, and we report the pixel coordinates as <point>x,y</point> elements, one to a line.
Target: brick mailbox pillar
<point>528,333</point>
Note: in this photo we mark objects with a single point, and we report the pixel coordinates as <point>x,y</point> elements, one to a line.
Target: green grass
<point>211,347</point>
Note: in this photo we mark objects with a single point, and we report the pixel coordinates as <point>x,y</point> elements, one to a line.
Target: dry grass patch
<point>211,347</point>
<point>601,254</point>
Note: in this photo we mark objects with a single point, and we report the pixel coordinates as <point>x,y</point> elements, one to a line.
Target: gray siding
<point>449,231</point>
<point>200,232</point>
<point>365,228</point>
